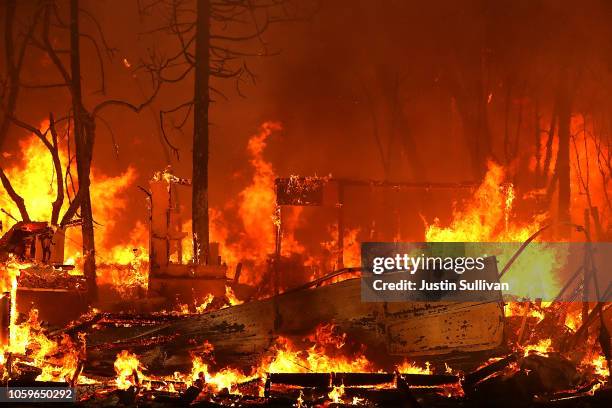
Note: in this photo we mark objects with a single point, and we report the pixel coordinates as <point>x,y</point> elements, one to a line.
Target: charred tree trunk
<point>549,146</point>
<point>56,207</point>
<point>476,128</point>
<point>483,151</point>
<point>471,96</point>
<point>11,68</point>
<point>84,137</point>
<point>563,158</point>
<point>200,135</point>
<point>537,142</point>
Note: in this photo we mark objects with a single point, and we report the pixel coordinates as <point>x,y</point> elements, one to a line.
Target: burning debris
<point>328,371</point>
<point>212,347</point>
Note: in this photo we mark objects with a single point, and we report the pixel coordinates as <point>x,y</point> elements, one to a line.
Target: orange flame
<point>479,219</point>
<point>408,367</point>
<point>541,347</point>
<point>126,366</point>
<point>231,297</point>
<point>255,213</point>
<point>208,299</point>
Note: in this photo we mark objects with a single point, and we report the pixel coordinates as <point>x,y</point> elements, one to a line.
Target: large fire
<point>246,235</point>
<point>326,354</point>
<point>246,227</point>
<point>246,231</point>
<point>485,218</point>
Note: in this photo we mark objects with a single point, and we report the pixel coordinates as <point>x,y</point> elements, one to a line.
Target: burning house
<point>234,267</point>
<point>169,274</point>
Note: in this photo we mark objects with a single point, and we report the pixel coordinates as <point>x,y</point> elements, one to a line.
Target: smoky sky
<point>352,72</point>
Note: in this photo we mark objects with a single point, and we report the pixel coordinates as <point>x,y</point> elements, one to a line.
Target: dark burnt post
<point>277,248</point>
<point>276,264</point>
<point>586,288</point>
<point>5,318</point>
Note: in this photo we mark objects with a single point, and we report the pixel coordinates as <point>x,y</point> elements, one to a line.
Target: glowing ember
<point>208,299</point>
<point>600,366</point>
<point>408,367</point>
<point>317,358</point>
<point>522,308</point>
<point>226,378</point>
<point>542,347</point>
<point>336,394</point>
<point>572,321</point>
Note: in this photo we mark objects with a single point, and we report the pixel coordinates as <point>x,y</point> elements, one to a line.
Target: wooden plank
<point>241,333</point>
<point>446,327</point>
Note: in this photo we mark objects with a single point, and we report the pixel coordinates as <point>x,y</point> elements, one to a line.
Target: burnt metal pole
<point>276,265</point>
<point>277,247</point>
<point>5,318</point>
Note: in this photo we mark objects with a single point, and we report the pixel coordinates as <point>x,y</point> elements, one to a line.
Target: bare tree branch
<point>17,199</point>
<point>46,44</point>
<point>13,66</point>
<point>117,102</point>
